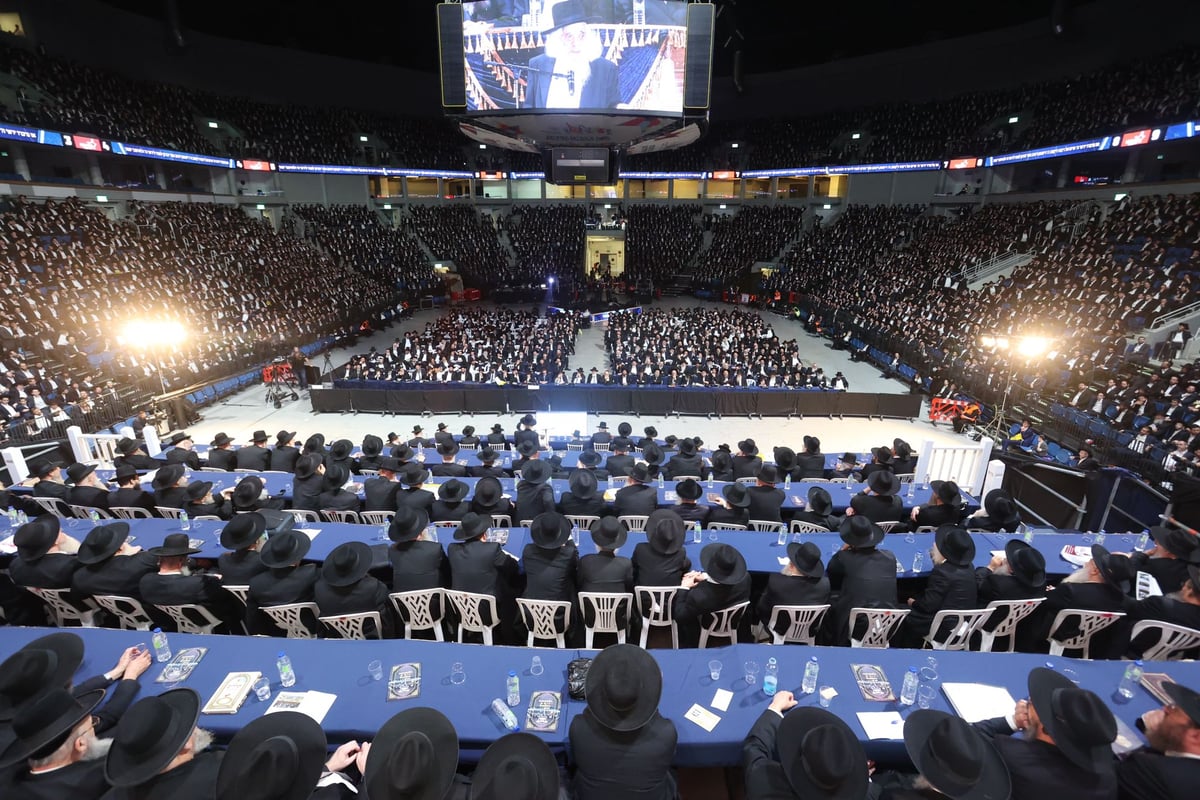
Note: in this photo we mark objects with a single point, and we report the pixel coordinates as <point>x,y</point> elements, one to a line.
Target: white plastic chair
<point>421,610</point>
<point>130,613</point>
<point>334,515</point>
<point>581,521</point>
<point>618,481</point>
<point>748,481</point>
<point>1146,586</point>
<point>725,526</point>
<point>681,478</point>
<point>881,625</point>
<point>501,521</point>
<point>303,515</point>
<point>65,612</point>
<point>633,522</point>
<point>803,624</point>
<point>376,517</point>
<point>1007,628</point>
<point>574,448</point>
<point>354,626</point>
<point>541,620</point>
<point>605,608</point>
<point>966,622</point>
<point>166,512</point>
<point>289,617</point>
<point>722,624</point>
<point>889,526</point>
<point>240,591</point>
<point>85,512</point>
<point>655,604</point>
<point>800,526</point>
<point>602,447</point>
<point>1090,622</point>
<point>191,618</point>
<point>130,512</point>
<point>54,506</point>
<point>473,609</point>
<point>766,525</point>
<point>1173,640</point>
<point>906,477</point>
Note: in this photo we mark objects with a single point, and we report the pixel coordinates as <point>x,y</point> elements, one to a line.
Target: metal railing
<point>976,273</point>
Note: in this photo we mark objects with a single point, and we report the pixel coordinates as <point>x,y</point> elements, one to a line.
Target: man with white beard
<point>57,742</point>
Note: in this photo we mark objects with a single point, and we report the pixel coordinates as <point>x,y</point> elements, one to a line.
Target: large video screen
<point>575,55</point>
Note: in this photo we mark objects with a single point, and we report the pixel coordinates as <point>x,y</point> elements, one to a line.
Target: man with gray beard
<point>56,740</point>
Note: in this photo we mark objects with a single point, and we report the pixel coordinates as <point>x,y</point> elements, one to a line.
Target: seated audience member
<point>221,454</point>
<point>903,460</point>
<point>309,481</point>
<point>109,564</point>
<point>601,436</point>
<point>534,493</point>
<point>54,751</point>
<point>999,513</point>
<point>371,456</point>
<point>50,479</point>
<point>250,494</point>
<point>489,499</point>
<point>801,582</point>
<point>345,587</point>
<point>944,507</point>
<point>450,505</point>
<point>279,756</point>
<point>582,497</point>
<point>497,437</point>
<point>637,497</point>
<point>516,763</point>
<point>170,487</point>
<point>487,465</point>
<point>550,561</point>
<point>879,502</point>
<point>860,575</point>
<point>203,503</point>
<point>810,463</point>
<point>412,494</point>
<point>1169,768</point>
<point>722,464</point>
<point>173,585</point>
<point>1020,574</point>
<point>746,462</point>
<point>414,754</point>
<point>528,451</point>
<point>818,510</point>
<point>604,570</point>
<point>801,753</point>
<point>242,537</point>
<point>1100,585</point>
<point>380,491</point>
<point>339,454</point>
<point>952,758</point>
<point>129,492</point>
<point>1168,561</point>
<point>484,567</point>
<point>687,462</point>
<point>133,455</point>
<point>620,462</point>
<point>724,582</point>
<point>46,556</point>
<point>951,586</point>
<point>442,436</point>
<point>1021,436</point>
<point>158,751</point>
<point>1181,607</point>
<point>448,468</point>
<point>255,455</point>
<point>785,464</point>
<point>283,580</point>
<point>765,500</point>
<point>661,560</point>
<point>88,490</point>
<point>589,461</point>
<point>845,466</point>
<point>181,451</point>
<point>285,452</point>
<point>730,506</point>
<point>336,497</point>
<point>621,725</point>
<point>417,561</point>
<point>468,438</point>
<point>881,461</point>
<point>689,491</point>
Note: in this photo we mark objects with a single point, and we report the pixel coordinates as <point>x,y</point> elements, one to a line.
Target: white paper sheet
<point>977,701</point>
<point>311,533</point>
<point>702,717</point>
<point>882,724</point>
<point>311,704</point>
<point>721,699</point>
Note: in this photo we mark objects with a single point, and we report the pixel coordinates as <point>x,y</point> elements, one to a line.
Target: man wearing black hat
<point>1066,750</point>
<point>250,495</point>
<point>944,507</point>
<point>723,582</point>
<point>285,452</point>
<point>730,506</point>
<point>279,757</point>
<point>283,580</point>
<point>442,436</point>
<point>650,437</point>
<point>110,564</point>
<point>221,454</point>
<point>336,497</point>
<point>50,479</point>
<point>602,436</point>
<point>534,493</point>
<point>589,461</point>
<point>173,585</point>
<point>746,462</point>
<point>339,453</point>
<point>550,560</point>
<point>1100,585</point>
<point>881,460</point>
<point>687,461</point>
<point>497,438</point>
<point>811,463</point>
<point>45,556</point>
<point>765,500</point>
<point>1167,562</point>
<point>624,432</point>
<point>55,744</point>
<point>582,497</point>
<point>489,499</point>
<point>181,451</point>
<point>661,560</point>
<point>448,468</point>
<point>801,582</point>
<point>526,432</point>
<point>487,465</point>
<point>604,570</point>
<point>820,758</point>
<point>242,537</point>
<point>418,441</point>
<point>620,462</point>
<point>1178,608</point>
<point>132,454</point>
<point>371,456</point>
<point>903,460</point>
<point>636,497</point>
<point>129,493</point>
<point>860,575</point>
<point>255,456</point>
<point>345,587</point>
<point>417,562</point>
<point>308,482</point>
<point>527,451</point>
<point>879,501</point>
<point>468,438</point>
<point>88,490</point>
<point>1170,768</point>
<point>621,725</point>
<point>689,491</point>
<point>1019,575</point>
<point>999,513</point>
<point>953,758</point>
<point>516,765</point>
<point>653,456</point>
<point>483,567</point>
<point>413,756</point>
<point>411,494</point>
<point>818,510</point>
<point>951,586</point>
<point>203,503</point>
<point>170,486</point>
<point>380,491</point>
<point>451,504</point>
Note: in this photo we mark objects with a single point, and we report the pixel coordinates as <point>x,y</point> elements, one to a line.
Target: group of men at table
<point>88,740</point>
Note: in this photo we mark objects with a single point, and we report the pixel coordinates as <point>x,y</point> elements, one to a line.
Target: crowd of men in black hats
<point>754,233</point>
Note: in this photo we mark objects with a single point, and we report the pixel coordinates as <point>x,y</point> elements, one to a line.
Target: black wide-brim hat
<point>126,446</point>
<point>1078,721</point>
<point>259,436</point>
<point>284,438</point>
<point>748,448</point>
<point>402,452</point>
<point>550,530</point>
<point>527,448</point>
<point>46,718</point>
<point>488,491</point>
<point>518,766</point>
<point>948,491</point>
<point>102,542</point>
<point>529,420</point>
<point>372,445</point>
<point>347,563</point>
<point>955,544</point>
<point>340,450</point>
<point>638,472</point>
<point>608,533</point>
<point>1187,700</point>
<point>306,465</point>
<point>652,454</point>
<point>167,476</point>
<point>785,457</point>
<point>414,475</point>
<point>453,491</point>
<point>1114,568</point>
<point>998,506</point>
<point>149,736</point>
<point>447,448</point>
<point>407,524</point>
<point>955,758</point>
<point>723,563</point>
<point>623,687</point>
<point>535,472</point>
<point>687,446</point>
<point>665,531</point>
<point>220,440</point>
<point>174,544</point>
<point>768,474</point>
<point>486,455</point>
<point>1178,542</point>
<point>77,472</point>
<point>821,757</point>
<point>858,531</point>
<point>243,530</point>
<point>689,489</point>
<point>197,490</point>
<point>1026,563</point>
<point>812,444</point>
<point>285,549</point>
<point>276,757</point>
<point>589,458</point>
<point>471,526</point>
<point>883,482</point>
<point>735,494</point>
<point>250,488</point>
<point>583,484</point>
<point>819,500</point>
<point>48,662</point>
<point>882,454</point>
<point>414,756</point>
<point>35,538</point>
<point>806,558</point>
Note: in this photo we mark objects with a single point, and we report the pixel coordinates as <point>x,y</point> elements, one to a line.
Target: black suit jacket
<point>442,511</point>
<point>83,779</point>
<point>284,458</point>
<point>367,594</point>
<point>861,579</point>
<point>120,575</point>
<point>693,512</point>
<point>450,470</point>
<point>685,465</point>
<point>623,766</point>
<point>1150,775</point>
<point>989,586</point>
<point>416,499</point>
<point>380,494</point>
<point>934,516</point>
<point>493,471</point>
<point>52,489</point>
<point>139,461</point>
<point>765,776</point>
<point>1169,572</point>
<point>949,587</point>
<point>222,459</point>
<point>189,458</point>
<point>482,567</point>
<point>276,587</point>
<point>791,590</point>
<point>746,466</point>
<point>306,492</point>
<point>810,465</point>
<point>134,498</point>
<point>1089,596</point>
<point>88,496</point>
<point>618,465</point>
<point>1163,609</point>
<point>878,508</point>
<point>239,567</point>
<point>171,497</point>
<point>533,499</point>
<point>201,590</point>
<point>636,498</point>
<point>339,500</point>
<point>652,568</point>
<point>827,521</point>
<point>605,572</point>
<point>704,598</point>
<point>193,780</point>
<point>1039,769</point>
<point>253,457</point>
<point>51,571</point>
<point>579,507</point>
<point>418,565</point>
<point>550,574</point>
<point>765,502</point>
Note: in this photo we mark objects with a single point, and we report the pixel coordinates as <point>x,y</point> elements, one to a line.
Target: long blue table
<point>340,667</point>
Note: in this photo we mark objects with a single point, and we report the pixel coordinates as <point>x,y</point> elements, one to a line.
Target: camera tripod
<point>280,387</point>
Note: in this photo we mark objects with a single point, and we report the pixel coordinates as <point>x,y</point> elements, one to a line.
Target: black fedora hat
<point>306,465</point>
<point>35,538</point>
<point>882,454</point>
<point>284,549</point>
<point>527,448</point>
<point>639,472</point>
<point>608,533</point>
<point>665,531</point>
<point>417,429</point>
<point>819,500</point>
<point>624,429</point>
<point>550,530</point>
<point>687,446</point>
<point>44,721</point>
<point>1078,721</point>
<point>149,736</point>
<point>174,544</point>
<point>954,757</point>
<point>1025,563</point>
<point>689,489</point>
<point>735,494</point>
<point>948,492</point>
<point>812,444</point>
<point>748,447</point>
<point>340,450</point>
<point>453,491</point>
<point>583,484</point>
<point>390,464</point>
<point>276,757</point>
<point>883,482</point>
<point>347,563</point>
<point>1114,568</point>
<point>785,457</point>
<point>468,430</point>
<point>821,757</point>
<point>998,506</point>
<point>441,426</point>
<point>487,455</point>
<point>243,530</point>
<point>955,544</point>
<point>652,454</point>
<point>723,563</point>
<point>472,526</point>
<point>768,474</point>
<point>402,452</point>
<point>126,446</point>
<point>447,448</point>
<point>650,431</point>
<point>167,476</point>
<point>414,756</point>
<point>1178,542</point>
<point>124,473</point>
<point>46,663</point>
<point>1187,700</point>
<point>407,524</point>
<point>315,443</point>
<point>220,440</point>
<point>488,491</point>
<point>250,488</point>
<point>77,472</point>
<point>623,687</point>
<point>284,438</point>
<point>372,445</point>
<point>414,474</point>
<point>901,448</point>
<point>858,531</point>
<point>197,490</point>
<point>603,425</point>
<point>535,472</point>
<point>806,558</point>
<point>497,428</point>
<point>102,542</point>
<point>518,766</point>
<point>589,458</point>
<point>259,436</point>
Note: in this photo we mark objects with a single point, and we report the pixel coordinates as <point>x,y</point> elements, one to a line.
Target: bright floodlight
<point>154,333</point>
<point>1033,346</point>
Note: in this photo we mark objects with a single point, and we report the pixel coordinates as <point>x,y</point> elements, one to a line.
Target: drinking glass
<point>925,695</point>
<point>751,669</point>
<point>458,676</point>
<point>262,688</point>
<point>535,666</point>
<point>714,670</point>
<point>375,668</point>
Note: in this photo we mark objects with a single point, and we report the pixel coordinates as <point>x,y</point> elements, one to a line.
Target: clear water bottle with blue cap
<point>771,677</point>
<point>1129,681</point>
<point>908,690</point>
<point>184,522</point>
<point>513,689</point>
<point>783,535</point>
<point>162,649</point>
<point>94,517</point>
<point>287,676</point>
<point>506,716</point>
<point>787,481</point>
<point>918,561</point>
<point>1143,540</point>
<point>696,536</point>
<point>811,670</point>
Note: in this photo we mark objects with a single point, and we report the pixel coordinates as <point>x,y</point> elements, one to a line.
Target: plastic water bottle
<point>661,480</point>
<point>811,670</point>
<point>918,561</point>
<point>611,483</point>
<point>1143,540</point>
<point>710,479</point>
<point>12,515</point>
<point>1129,682</point>
<point>899,567</point>
<point>1101,536</point>
<point>505,716</point>
<point>162,650</point>
<point>696,532</point>
<point>22,517</point>
<point>787,481</point>
<point>925,485</point>
<point>94,517</point>
<point>287,676</point>
<point>513,689</point>
<point>912,490</point>
<point>431,533</point>
<point>184,522</point>
<point>783,536</point>
<point>908,691</point>
<point>771,677</point>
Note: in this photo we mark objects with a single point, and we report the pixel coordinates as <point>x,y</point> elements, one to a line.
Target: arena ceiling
<point>771,34</point>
